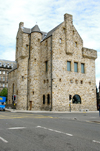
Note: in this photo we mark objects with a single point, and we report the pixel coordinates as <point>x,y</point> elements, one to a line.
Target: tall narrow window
<point>82,68</point>
<point>13,88</point>
<point>68,65</point>
<point>3,72</point>
<point>43,99</point>
<point>46,66</point>
<point>48,99</point>
<point>3,85</point>
<point>0,72</point>
<point>3,78</point>
<point>75,67</point>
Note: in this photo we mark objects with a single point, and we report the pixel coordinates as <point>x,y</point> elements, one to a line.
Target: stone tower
<point>34,67</point>
<point>22,57</point>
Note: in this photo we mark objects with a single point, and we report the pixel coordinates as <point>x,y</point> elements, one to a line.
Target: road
<point>49,131</point>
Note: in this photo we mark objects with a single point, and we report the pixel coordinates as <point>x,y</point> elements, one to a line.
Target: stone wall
<point>67,83</point>
<point>32,79</point>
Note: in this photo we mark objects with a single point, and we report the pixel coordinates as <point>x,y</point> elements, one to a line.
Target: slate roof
<point>37,29</point>
<point>51,31</point>
<point>14,67</point>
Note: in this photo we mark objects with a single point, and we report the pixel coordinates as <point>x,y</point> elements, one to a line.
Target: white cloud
<point>48,14</point>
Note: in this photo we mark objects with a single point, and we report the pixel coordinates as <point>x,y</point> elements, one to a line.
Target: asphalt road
<point>49,132</point>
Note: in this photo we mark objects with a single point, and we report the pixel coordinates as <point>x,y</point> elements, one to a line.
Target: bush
<point>4,92</point>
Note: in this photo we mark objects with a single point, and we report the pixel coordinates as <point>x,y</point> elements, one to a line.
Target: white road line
<point>5,141</point>
<point>96,141</point>
<point>55,130</point>
<point>14,128</point>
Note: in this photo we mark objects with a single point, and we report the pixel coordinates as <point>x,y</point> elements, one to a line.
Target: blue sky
<point>48,14</point>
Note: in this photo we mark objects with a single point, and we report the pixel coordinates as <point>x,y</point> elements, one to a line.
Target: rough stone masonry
<point>51,68</point>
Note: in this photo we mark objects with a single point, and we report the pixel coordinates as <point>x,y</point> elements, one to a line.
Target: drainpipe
<point>51,73</point>
<point>28,70</point>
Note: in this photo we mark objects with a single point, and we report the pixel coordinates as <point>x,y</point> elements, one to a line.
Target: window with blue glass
<point>75,67</point>
<point>82,68</point>
<point>68,65</point>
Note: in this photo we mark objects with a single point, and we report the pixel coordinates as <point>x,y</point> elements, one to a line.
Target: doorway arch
<point>76,99</point>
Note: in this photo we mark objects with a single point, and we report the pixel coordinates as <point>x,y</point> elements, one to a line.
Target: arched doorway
<point>76,99</point>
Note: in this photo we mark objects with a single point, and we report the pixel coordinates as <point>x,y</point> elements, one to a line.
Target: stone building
<point>5,67</point>
<point>51,68</point>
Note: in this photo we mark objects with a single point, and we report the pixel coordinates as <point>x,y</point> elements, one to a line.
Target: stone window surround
<point>79,66</point>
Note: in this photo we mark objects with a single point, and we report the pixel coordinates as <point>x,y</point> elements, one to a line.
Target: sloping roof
<point>30,30</point>
<point>26,30</point>
<point>14,68</point>
<point>35,29</point>
<point>51,31</point>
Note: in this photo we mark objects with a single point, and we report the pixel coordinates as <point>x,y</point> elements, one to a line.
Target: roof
<point>51,31</point>
<point>7,60</point>
<point>30,30</point>
<point>37,29</point>
<point>14,68</point>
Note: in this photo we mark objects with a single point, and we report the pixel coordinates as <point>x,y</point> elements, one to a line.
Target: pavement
<point>28,111</point>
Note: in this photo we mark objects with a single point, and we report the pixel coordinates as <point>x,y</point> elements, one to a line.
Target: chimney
<point>68,19</point>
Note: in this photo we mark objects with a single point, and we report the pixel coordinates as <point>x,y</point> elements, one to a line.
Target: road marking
<point>13,128</point>
<point>5,141</point>
<point>55,131</point>
<point>96,141</point>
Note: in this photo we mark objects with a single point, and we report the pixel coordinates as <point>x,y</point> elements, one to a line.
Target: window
<point>12,65</point>
<point>76,99</point>
<point>3,78</point>
<point>22,78</point>
<point>82,68</point>
<point>48,99</point>
<point>3,72</point>
<point>60,40</point>
<point>0,64</point>
<point>43,99</point>
<point>7,85</point>
<point>75,44</point>
<point>0,72</point>
<point>4,64</point>
<point>3,85</point>
<point>46,66</point>
<point>68,65</point>
<point>75,67</point>
<point>81,81</point>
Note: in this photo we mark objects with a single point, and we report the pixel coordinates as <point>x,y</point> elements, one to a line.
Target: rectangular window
<point>3,72</point>
<point>68,65</point>
<point>43,99</point>
<point>82,68</point>
<point>3,85</point>
<point>0,72</point>
<point>46,66</point>
<point>75,67</point>
<point>3,78</point>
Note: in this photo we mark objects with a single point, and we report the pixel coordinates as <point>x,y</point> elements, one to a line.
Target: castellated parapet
<point>52,66</point>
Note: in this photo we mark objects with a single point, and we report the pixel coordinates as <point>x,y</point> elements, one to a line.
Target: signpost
<point>70,97</point>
